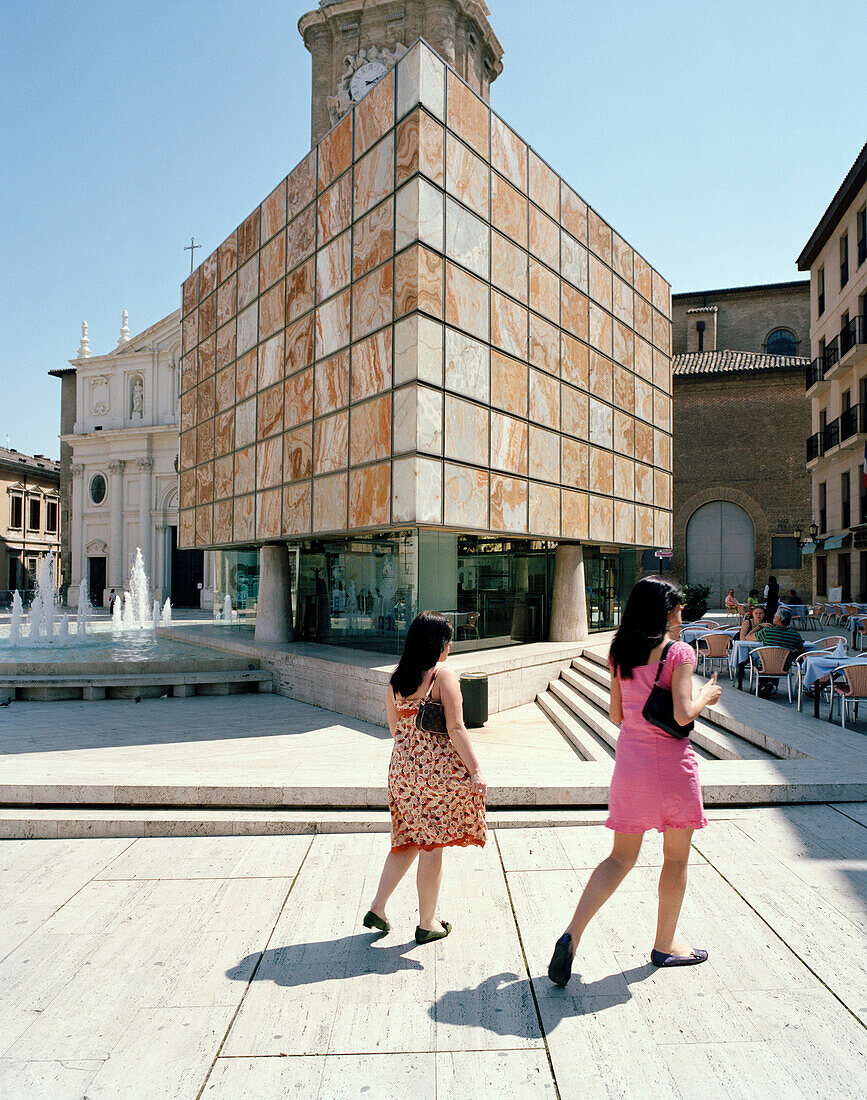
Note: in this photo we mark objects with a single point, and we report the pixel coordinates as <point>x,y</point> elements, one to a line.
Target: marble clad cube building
<point>424,327</point>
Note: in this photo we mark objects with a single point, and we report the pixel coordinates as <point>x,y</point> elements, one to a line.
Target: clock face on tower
<point>364,78</point>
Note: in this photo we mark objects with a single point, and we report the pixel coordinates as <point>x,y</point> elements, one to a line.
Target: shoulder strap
<point>662,662</point>
<point>430,685</point>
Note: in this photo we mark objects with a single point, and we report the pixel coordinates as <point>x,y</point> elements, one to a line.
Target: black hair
<point>428,635</point>
<point>754,592</point>
<point>644,623</point>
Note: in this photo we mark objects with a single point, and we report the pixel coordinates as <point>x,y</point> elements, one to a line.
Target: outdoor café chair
<point>812,617</point>
<point>852,690</point>
<point>770,662</point>
<point>714,646</point>
<point>830,642</point>
<point>861,630</point>
<point>798,666</point>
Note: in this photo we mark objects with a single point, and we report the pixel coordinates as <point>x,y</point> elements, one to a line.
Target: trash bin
<point>474,691</point>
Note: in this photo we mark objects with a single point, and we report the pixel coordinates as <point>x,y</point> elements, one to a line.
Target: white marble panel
<point>601,423</point>
<point>248,328</point>
<point>466,431</point>
<point>573,261</point>
<point>419,215</point>
<point>245,423</point>
<point>418,419</point>
<point>418,350</point>
<point>421,79</point>
<point>417,492</point>
<point>468,366</point>
<point>468,239</point>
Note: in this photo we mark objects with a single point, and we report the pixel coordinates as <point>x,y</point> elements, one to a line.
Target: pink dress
<point>655,783</point>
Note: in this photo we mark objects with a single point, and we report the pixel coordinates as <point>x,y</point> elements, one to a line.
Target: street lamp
<point>814,531</point>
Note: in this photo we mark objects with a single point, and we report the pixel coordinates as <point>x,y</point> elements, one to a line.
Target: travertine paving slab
<point>211,857</point>
<point>385,1076</point>
<point>52,1079</point>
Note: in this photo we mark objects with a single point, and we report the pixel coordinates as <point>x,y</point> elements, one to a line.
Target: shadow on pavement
<point>325,960</point>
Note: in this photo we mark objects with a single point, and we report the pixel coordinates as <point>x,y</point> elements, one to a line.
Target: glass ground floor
<point>363,592</point>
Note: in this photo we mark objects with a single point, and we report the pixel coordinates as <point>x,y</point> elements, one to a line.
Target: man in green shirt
<point>782,634</point>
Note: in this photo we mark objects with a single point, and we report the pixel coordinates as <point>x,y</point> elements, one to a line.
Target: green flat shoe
<point>371,920</point>
<point>422,935</point>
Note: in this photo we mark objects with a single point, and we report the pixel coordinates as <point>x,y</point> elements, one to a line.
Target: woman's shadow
<point>304,964</point>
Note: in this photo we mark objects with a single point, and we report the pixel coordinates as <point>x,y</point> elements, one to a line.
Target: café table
<point>817,665</point>
<point>740,654</point>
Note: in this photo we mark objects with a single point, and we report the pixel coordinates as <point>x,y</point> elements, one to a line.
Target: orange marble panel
<point>245,470</point>
<point>544,291</point>
<point>544,399</point>
<point>660,292</point>
<point>332,324</point>
<point>623,430</point>
<point>601,471</point>
<point>643,484</point>
<point>600,282</point>
<point>248,327</point>
<point>661,371</point>
<point>574,418</point>
<point>466,431</point>
<point>248,282</point>
<point>509,383</point>
<point>369,495</point>
<point>301,185</point>
<point>468,115</point>
<point>224,476</point>
<point>418,280</point>
<point>601,519</point>
<point>544,238</point>
<point>466,496</point>
<point>204,525</point>
<point>272,261</point>
<point>509,269</point>
<point>371,365</point>
<point>508,503</point>
<point>574,311</point>
<point>274,212</point>
<point>662,450</point>
<point>296,509</point>
<point>206,402</point>
<point>370,430</point>
<point>333,266</point>
<point>244,527</point>
<point>334,209</point>
<point>332,383</point>
<point>190,292</point>
<point>544,510</point>
<point>643,318</point>
<point>509,211</point>
<point>643,442</point>
<point>224,433</point>
<point>624,345</point>
<point>508,153</point>
<point>575,364</point>
<point>207,316</point>
<point>374,115</point>
<point>271,361</point>
<point>205,483</point>
<point>642,276</point>
<point>188,410</point>
<point>272,311</point>
<point>544,454</point>
<point>599,236</point>
<point>573,213</point>
<point>227,300</point>
<point>624,389</point>
<point>331,443</point>
<point>206,359</point>
<point>575,461</point>
<point>373,239</point>
<point>372,301</point>
<point>662,528</point>
<point>643,358</point>
<point>621,257</point>
<point>248,237</point>
<point>298,398</point>
<point>227,257</point>
<point>420,145</point>
<point>298,453</point>
<point>509,325</point>
<point>270,417</point>
<point>644,526</point>
<point>575,515</point>
<point>508,444</point>
<point>374,176</point>
<point>299,290</point>
<point>189,371</point>
<point>223,521</point>
<point>467,302</point>
<point>624,521</point>
<point>544,186</point>
<point>661,332</point>
<point>544,345</point>
<point>269,519</point>
<point>643,400</point>
<point>661,489</point>
<point>601,329</point>
<point>467,177</point>
<point>269,462</point>
<point>190,332</point>
<point>301,236</point>
<point>574,261</point>
<point>245,375</point>
<point>662,410</point>
<point>335,152</point>
<point>329,503</point>
<point>208,279</point>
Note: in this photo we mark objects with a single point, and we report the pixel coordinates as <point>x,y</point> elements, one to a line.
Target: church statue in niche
<point>136,398</point>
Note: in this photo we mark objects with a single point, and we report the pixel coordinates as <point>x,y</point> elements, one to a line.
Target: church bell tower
<point>353,43</point>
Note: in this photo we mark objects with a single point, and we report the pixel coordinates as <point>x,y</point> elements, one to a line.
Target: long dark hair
<point>644,623</point>
<point>427,637</point>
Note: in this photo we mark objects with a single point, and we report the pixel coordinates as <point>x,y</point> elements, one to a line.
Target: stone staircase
<point>577,703</point>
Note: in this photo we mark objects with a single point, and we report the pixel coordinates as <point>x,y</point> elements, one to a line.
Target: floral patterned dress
<point>431,799</point>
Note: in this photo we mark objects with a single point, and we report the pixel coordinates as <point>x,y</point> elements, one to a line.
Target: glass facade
<point>609,574</point>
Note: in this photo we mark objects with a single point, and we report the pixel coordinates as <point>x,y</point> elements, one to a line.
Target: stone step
<point>25,688</point>
<point>582,739</point>
<point>593,671</point>
<point>586,711</point>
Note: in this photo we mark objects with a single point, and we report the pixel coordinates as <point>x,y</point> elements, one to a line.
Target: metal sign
<point>663,553</point>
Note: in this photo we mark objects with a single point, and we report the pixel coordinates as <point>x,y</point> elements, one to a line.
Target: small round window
<point>782,342</point>
<point>97,488</point>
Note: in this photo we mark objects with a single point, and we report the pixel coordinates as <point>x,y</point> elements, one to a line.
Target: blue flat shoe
<point>660,958</point>
<point>560,966</point>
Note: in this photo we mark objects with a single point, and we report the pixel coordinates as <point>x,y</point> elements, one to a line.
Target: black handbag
<point>431,715</point>
<point>659,708</point>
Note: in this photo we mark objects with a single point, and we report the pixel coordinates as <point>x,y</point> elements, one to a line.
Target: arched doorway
<point>721,550</point>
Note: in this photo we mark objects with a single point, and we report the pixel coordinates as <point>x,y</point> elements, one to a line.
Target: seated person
<point>793,596</point>
<point>731,600</point>
<point>781,633</point>
<point>753,598</point>
<point>752,622</point>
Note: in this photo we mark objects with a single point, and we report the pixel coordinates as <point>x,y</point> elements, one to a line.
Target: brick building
<point>740,487</point>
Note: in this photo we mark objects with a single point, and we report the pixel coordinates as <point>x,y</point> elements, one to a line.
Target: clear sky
<point>711,135</point>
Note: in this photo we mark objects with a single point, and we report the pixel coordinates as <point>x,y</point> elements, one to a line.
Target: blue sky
<point>712,136</point>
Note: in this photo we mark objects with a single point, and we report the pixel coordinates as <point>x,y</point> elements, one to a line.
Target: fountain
<point>117,615</point>
<point>17,618</point>
<point>155,617</point>
<point>167,613</point>
<point>227,609</point>
<point>82,617</point>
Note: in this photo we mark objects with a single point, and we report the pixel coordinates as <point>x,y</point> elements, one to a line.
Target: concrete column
<point>569,598</point>
<point>159,577</point>
<point>116,560</point>
<point>76,536</point>
<point>274,611</point>
<point>145,466</point>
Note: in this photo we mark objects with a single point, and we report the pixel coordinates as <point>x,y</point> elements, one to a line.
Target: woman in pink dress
<point>655,782</point>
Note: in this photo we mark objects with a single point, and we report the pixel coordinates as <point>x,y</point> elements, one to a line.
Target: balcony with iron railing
<point>853,343</point>
<point>853,421</point>
<point>814,447</point>
<point>831,435</point>
<point>832,359</point>
<point>848,426</point>
<point>815,372</point>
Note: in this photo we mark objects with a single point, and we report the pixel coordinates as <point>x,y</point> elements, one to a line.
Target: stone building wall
<point>745,316</point>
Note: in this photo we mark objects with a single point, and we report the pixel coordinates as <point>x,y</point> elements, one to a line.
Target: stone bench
<point>128,686</point>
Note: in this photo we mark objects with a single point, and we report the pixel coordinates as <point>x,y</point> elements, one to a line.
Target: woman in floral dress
<point>436,791</point>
